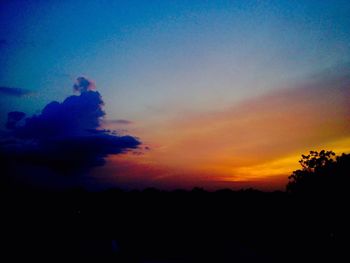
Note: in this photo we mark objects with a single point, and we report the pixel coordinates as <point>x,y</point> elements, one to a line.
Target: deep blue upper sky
<point>188,54</point>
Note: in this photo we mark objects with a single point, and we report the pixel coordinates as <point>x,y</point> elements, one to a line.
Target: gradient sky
<point>224,93</point>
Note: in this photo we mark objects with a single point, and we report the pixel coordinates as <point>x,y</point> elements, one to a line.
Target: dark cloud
<point>82,84</point>
<point>13,118</point>
<point>13,91</point>
<point>76,115</point>
<point>66,136</point>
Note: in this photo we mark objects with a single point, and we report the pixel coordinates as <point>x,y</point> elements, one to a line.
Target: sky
<point>219,94</point>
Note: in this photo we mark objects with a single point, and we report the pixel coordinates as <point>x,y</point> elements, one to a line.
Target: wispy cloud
<point>14,91</point>
<point>119,121</point>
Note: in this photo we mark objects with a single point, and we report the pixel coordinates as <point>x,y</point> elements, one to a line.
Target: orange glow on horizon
<point>258,142</point>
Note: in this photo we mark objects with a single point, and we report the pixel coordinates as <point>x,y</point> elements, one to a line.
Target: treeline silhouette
<point>323,173</point>
<point>307,222</point>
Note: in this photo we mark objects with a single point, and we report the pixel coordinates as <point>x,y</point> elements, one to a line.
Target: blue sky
<point>155,53</point>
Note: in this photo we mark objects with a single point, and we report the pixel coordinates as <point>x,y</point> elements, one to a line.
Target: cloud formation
<point>13,118</point>
<point>13,91</point>
<point>82,84</point>
<point>119,121</point>
<point>66,136</point>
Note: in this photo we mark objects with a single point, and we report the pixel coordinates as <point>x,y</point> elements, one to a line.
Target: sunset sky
<point>221,94</point>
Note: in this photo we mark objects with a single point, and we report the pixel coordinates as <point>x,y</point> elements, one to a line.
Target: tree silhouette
<point>322,172</point>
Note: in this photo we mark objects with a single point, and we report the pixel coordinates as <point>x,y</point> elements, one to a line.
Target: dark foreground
<point>179,226</point>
